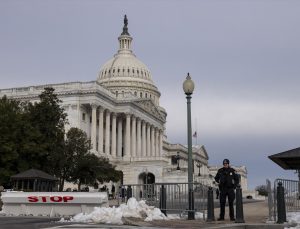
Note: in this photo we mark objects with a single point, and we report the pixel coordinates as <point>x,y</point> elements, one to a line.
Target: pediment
<point>151,108</point>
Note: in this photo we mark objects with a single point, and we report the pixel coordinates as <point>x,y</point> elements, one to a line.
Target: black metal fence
<point>176,196</point>
<point>285,197</point>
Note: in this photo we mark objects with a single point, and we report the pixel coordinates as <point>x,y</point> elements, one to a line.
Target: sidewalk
<point>255,216</point>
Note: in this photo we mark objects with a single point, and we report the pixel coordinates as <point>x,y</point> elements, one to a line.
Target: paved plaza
<point>255,215</point>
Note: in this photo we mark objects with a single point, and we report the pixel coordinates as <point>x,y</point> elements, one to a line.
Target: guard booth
<point>34,180</point>
<point>288,160</point>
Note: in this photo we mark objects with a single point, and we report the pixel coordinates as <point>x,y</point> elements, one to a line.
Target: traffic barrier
<point>52,204</point>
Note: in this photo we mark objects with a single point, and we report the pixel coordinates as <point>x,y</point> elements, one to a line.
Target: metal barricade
<point>176,196</point>
<point>52,203</point>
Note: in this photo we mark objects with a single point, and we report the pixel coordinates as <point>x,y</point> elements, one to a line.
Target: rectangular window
<point>83,116</point>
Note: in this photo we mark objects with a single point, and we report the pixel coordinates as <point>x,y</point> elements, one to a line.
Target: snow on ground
<point>293,219</point>
<point>114,215</point>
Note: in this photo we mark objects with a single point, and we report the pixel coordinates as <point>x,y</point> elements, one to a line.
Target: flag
<point>195,134</point>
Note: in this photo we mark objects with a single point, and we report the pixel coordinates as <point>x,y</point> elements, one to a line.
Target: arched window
<point>141,94</point>
<point>135,93</point>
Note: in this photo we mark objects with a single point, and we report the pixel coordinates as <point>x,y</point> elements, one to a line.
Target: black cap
<point>225,161</point>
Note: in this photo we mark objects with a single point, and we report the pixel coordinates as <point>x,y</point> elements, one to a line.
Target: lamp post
<point>177,160</point>
<point>199,166</point>
<point>188,88</point>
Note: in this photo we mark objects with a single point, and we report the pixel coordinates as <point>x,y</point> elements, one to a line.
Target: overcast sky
<point>244,57</point>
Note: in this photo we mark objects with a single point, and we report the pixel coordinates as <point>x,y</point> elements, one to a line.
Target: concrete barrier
<point>52,204</point>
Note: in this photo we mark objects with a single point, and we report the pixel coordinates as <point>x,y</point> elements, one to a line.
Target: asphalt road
<point>10,222</point>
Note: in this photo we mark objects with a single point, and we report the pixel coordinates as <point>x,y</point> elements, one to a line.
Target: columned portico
<point>139,138</point>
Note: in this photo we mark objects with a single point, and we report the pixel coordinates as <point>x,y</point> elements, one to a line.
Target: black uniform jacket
<point>227,178</point>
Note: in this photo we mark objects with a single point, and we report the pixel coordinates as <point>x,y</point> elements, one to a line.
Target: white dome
<point>125,73</point>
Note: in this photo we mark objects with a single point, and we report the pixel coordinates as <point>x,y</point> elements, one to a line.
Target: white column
<point>100,134</point>
<point>152,142</point>
<point>114,135</point>
<point>94,127</point>
<point>133,137</point>
<point>160,142</point>
<point>120,137</point>
<point>138,135</point>
<point>127,136</point>
<point>107,132</point>
<point>144,139</point>
<point>148,140</point>
<point>156,143</point>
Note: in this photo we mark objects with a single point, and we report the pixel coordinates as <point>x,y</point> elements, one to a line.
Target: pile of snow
<point>133,208</point>
<point>114,215</point>
<point>293,219</point>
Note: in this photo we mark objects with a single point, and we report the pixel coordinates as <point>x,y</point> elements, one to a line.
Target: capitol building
<point>121,114</point>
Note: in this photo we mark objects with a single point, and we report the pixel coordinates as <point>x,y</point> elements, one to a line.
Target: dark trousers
<point>231,196</point>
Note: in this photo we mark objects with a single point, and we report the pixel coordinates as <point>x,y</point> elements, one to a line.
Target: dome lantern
<point>125,38</point>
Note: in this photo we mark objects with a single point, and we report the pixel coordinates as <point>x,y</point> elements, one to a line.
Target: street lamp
<point>188,88</point>
<point>177,160</point>
<point>199,166</point>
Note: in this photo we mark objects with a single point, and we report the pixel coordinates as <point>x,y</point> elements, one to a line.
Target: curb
<point>141,223</point>
<point>136,222</point>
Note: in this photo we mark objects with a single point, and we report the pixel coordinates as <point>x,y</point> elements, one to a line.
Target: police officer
<point>228,180</point>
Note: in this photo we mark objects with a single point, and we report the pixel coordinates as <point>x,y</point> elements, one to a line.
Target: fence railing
<point>270,201</point>
<point>291,193</point>
<point>176,196</point>
<point>291,197</point>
